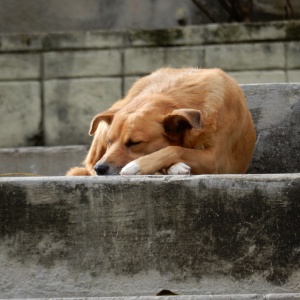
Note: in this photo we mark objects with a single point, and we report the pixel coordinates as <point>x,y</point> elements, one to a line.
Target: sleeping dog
<point>173,121</point>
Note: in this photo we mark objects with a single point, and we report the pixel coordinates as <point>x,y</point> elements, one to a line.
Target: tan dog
<point>175,121</point>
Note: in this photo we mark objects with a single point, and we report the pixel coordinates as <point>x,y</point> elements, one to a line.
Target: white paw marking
<point>131,169</point>
<point>179,169</point>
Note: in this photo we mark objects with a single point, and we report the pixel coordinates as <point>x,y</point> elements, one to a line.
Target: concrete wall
<point>52,84</point>
<point>64,15</point>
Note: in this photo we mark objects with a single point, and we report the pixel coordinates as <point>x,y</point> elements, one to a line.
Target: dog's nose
<point>101,169</point>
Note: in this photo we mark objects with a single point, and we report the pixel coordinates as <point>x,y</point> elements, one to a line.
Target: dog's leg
<point>200,161</point>
<point>78,171</point>
<point>179,169</point>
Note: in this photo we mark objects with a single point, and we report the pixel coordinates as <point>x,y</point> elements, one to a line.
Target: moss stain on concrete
<point>157,37</point>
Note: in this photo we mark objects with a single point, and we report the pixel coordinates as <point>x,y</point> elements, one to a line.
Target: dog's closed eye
<point>131,143</point>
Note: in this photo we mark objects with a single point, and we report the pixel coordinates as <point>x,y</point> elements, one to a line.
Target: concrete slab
<point>136,235</point>
<point>69,120</point>
<point>16,128</point>
<point>46,161</point>
<point>275,109</point>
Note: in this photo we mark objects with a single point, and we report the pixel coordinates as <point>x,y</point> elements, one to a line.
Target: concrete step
<point>46,161</point>
<point>276,113</point>
<point>136,235</point>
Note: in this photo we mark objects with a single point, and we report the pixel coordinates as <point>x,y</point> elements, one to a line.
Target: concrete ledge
<point>289,296</point>
<point>47,161</point>
<point>189,35</point>
<point>137,235</point>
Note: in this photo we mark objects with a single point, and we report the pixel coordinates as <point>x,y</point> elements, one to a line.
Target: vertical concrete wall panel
<point>143,60</point>
<point>246,57</point>
<point>19,66</point>
<point>71,104</point>
<point>293,55</point>
<point>21,113</point>
<point>82,64</point>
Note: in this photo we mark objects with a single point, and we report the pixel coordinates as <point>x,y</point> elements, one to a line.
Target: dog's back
<point>225,116</point>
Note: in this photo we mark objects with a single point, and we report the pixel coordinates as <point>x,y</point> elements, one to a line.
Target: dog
<point>173,121</point>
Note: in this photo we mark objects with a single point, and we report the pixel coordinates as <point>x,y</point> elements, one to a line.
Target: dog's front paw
<point>179,169</point>
<point>131,168</point>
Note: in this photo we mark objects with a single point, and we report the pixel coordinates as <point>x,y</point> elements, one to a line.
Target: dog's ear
<point>180,120</point>
<point>106,116</point>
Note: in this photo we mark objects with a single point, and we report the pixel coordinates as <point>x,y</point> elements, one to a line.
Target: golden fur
<point>198,117</point>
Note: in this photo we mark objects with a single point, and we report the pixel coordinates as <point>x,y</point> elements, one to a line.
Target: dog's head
<point>137,132</point>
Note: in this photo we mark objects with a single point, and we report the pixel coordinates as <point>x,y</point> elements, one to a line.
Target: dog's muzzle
<point>106,169</point>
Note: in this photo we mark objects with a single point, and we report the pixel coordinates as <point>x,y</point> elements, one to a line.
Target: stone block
<point>243,32</point>
<point>84,40</point>
<point>293,55</point>
<point>71,104</point>
<point>189,35</point>
<point>242,57</point>
<point>21,42</point>
<point>232,33</point>
<point>143,60</point>
<point>274,102</point>
<point>181,57</point>
<point>293,75</point>
<point>40,161</point>
<point>249,77</point>
<point>156,37</point>
<point>146,60</point>
<point>276,113</point>
<point>82,64</point>
<point>226,33</point>
<point>19,66</point>
<point>214,34</point>
<point>20,107</point>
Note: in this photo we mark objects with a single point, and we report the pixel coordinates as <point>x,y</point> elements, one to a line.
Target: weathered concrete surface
<point>20,113</point>
<point>70,105</point>
<point>51,15</point>
<point>289,296</point>
<point>136,235</point>
<point>47,161</point>
<point>276,113</point>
